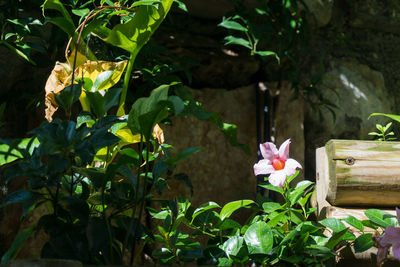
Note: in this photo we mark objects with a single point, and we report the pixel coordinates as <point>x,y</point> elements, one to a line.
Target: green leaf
<point>159,169</point>
<point>111,98</point>
<point>96,101</point>
<point>147,111</point>
<point>259,238</point>
<point>237,41</point>
<point>299,191</point>
<point>16,245</point>
<point>387,126</point>
<point>336,238</point>
<point>96,176</point>
<point>369,224</point>
<point>81,12</point>
<point>275,218</point>
<point>135,33</point>
<point>337,226</point>
<point>271,187</point>
<point>204,207</point>
<point>377,217</point>
<point>84,117</point>
<point>160,184</point>
<point>162,253</point>
<point>11,150</point>
<point>225,262</point>
<point>266,54</point>
<point>189,251</point>
<point>144,2</point>
<point>128,174</point>
<point>178,104</point>
<point>270,206</point>
<point>228,224</point>
<point>334,224</point>
<point>229,208</point>
<point>392,116</point>
<point>363,243</point>
<point>353,221</point>
<point>303,201</point>
<point>181,5</point>
<point>161,215</point>
<point>374,133</point>
<point>65,22</point>
<point>232,25</point>
<point>68,96</point>
<point>234,246</point>
<point>183,155</point>
<point>57,5</point>
<point>18,52</point>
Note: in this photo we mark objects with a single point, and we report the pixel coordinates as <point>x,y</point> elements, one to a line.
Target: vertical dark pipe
<point>267,128</point>
<point>259,140</point>
<point>267,121</point>
<point>263,129</point>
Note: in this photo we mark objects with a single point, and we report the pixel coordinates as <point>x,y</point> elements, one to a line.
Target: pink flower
<point>391,237</point>
<point>276,163</point>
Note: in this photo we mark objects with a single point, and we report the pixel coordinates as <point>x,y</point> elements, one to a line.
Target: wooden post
<point>352,176</point>
<point>359,173</point>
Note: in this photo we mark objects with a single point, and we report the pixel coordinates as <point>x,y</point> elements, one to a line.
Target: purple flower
<point>391,238</point>
<point>276,163</point>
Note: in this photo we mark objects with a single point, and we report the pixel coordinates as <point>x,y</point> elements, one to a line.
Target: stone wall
<point>354,49</point>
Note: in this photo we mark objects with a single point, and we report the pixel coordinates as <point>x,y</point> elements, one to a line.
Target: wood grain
<point>359,173</point>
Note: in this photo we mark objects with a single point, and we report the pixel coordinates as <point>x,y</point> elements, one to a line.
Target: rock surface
<point>358,91</point>
<point>321,10</point>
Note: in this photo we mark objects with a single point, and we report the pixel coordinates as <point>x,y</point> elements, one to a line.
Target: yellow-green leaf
<point>135,33</point>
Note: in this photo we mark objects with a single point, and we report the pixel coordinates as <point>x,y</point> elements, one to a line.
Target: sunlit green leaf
<point>229,208</point>
<point>259,238</point>
<point>232,25</point>
<point>354,222</point>
<point>135,33</point>
<point>237,41</point>
<point>392,116</point>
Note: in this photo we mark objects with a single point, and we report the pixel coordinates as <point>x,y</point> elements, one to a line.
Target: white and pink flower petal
<point>293,164</point>
<point>290,166</point>
<point>277,178</point>
<point>263,167</point>
<point>268,150</point>
<point>284,150</point>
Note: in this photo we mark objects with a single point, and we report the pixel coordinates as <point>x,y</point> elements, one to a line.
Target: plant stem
<point>136,192</point>
<point>107,223</point>
<point>142,201</point>
<point>287,199</point>
<point>55,203</point>
<point>127,78</point>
